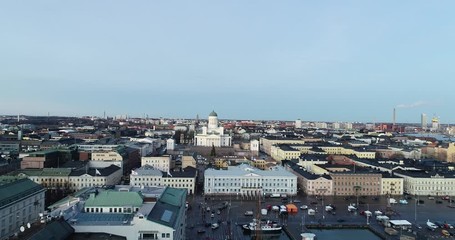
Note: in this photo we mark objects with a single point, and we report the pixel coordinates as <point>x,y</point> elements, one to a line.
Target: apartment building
<point>147,175</point>
<point>21,201</point>
<point>351,183</point>
<point>420,182</point>
<point>162,163</point>
<point>309,183</point>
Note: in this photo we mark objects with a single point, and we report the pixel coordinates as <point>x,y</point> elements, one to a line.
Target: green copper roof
<point>174,196</point>
<point>64,172</point>
<point>14,189</point>
<point>213,114</point>
<point>115,199</point>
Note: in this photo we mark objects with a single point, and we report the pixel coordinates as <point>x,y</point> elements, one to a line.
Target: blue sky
<point>313,60</point>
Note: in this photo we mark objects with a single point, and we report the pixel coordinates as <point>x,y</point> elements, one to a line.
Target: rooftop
<point>13,189</point>
<point>168,208</point>
<point>93,172</point>
<point>98,219</point>
<point>112,198</point>
<point>244,169</point>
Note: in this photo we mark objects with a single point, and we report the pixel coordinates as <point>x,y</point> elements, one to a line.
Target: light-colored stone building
<point>162,163</point>
<point>423,183</point>
<point>21,201</point>
<point>309,183</point>
<point>245,180</point>
<point>213,134</point>
<point>150,176</point>
<point>391,185</point>
<point>356,183</point>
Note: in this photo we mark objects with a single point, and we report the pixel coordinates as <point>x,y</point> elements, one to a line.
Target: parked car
<point>215,226</point>
<point>439,224</point>
<point>448,226</point>
<point>304,207</point>
<point>297,201</point>
<point>438,201</point>
<point>421,202</point>
<point>201,231</point>
<point>248,213</point>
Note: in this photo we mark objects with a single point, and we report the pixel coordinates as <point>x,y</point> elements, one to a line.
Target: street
<point>229,219</point>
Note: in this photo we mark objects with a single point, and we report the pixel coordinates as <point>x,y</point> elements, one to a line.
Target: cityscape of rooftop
<point>316,61</point>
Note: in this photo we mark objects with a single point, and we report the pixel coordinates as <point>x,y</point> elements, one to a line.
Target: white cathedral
<point>213,135</point>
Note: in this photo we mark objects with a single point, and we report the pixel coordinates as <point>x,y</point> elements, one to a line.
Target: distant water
<point>438,137</point>
<point>344,234</point>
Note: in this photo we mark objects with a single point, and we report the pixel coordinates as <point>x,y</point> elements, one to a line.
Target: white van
<point>215,225</point>
<point>249,213</point>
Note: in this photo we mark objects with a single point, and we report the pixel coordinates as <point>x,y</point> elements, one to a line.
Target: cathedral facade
<point>213,134</point>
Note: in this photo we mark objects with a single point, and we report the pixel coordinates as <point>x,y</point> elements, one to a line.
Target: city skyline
<point>334,62</point>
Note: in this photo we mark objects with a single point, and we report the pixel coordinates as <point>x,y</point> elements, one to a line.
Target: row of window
<point>364,190</point>
<point>434,188</point>
<point>354,183</point>
<point>165,179</point>
<point>251,185</point>
<point>111,210</point>
<point>170,185</point>
<point>251,180</point>
<point>155,235</point>
<point>237,190</point>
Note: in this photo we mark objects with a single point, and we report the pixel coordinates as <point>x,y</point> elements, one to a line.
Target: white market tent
<point>400,223</point>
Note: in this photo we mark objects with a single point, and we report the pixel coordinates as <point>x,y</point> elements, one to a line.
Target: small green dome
<point>213,114</point>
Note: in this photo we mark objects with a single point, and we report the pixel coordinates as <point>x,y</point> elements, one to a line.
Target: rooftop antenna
<point>18,118</point>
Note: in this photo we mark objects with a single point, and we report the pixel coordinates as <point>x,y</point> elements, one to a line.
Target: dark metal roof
<point>169,207</point>
<point>92,171</point>
<point>56,230</point>
<point>13,189</point>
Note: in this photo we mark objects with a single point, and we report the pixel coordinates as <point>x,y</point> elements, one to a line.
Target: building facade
<point>427,184</point>
<point>213,134</point>
<point>150,176</point>
<point>391,185</point>
<point>245,180</point>
<point>129,215</point>
<point>21,201</point>
<point>92,177</point>
<point>356,184</point>
<point>162,163</point>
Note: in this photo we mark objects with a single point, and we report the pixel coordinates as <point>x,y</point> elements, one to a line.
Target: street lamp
<point>322,192</point>
<point>357,188</point>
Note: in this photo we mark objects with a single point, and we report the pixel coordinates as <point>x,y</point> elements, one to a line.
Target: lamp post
<point>357,188</point>
<point>368,216</point>
<point>322,192</point>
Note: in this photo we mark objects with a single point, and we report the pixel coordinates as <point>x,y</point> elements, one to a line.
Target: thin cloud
<point>412,105</point>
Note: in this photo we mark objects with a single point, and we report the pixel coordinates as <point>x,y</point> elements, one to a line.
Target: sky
<point>285,60</point>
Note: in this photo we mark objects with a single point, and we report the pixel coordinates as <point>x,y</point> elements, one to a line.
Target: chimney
<point>394,116</point>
